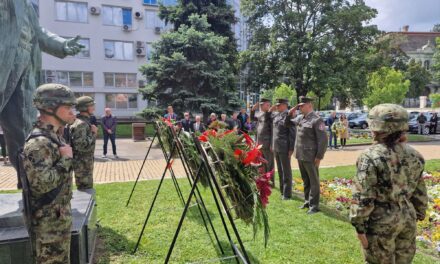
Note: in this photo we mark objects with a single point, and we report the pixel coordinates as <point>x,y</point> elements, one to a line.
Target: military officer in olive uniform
<point>283,143</point>
<point>83,139</point>
<point>48,165</point>
<point>310,147</point>
<point>389,193</point>
<point>264,131</point>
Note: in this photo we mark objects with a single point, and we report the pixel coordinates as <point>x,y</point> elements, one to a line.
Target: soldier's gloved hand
<point>66,151</point>
<point>72,46</point>
<point>94,129</point>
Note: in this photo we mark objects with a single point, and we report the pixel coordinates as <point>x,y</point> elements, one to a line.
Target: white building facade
<point>118,37</point>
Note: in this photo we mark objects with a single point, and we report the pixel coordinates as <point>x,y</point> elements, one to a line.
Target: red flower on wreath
<point>226,133</point>
<point>238,153</point>
<point>263,186</point>
<point>254,156</point>
<point>249,140</point>
<point>167,121</point>
<point>203,138</point>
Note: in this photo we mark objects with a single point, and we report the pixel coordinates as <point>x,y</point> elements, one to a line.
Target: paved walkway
<point>131,155</point>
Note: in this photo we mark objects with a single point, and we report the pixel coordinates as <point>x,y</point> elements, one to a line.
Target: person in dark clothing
<point>243,116</point>
<point>421,120</point>
<point>433,123</point>
<point>212,118</point>
<point>93,120</point>
<point>198,126</point>
<point>333,137</point>
<point>109,130</point>
<point>186,122</point>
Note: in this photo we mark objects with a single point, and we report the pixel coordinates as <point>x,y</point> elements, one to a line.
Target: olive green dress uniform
<point>283,141</point>
<point>83,144</point>
<point>264,136</point>
<point>311,144</point>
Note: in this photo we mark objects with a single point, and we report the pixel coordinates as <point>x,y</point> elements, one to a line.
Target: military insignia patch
<point>363,164</point>
<point>322,126</point>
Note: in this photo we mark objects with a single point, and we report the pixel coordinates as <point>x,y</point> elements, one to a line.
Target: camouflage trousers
<point>391,235</point>
<point>51,234</point>
<point>83,170</point>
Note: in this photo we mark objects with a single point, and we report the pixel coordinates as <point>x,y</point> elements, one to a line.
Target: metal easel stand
<point>165,154</point>
<point>240,253</point>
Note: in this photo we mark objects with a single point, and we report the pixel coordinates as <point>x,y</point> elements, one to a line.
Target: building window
<point>149,50</point>
<point>152,20</point>
<point>69,78</point>
<point>426,64</point>
<point>150,2</point>
<point>116,16</point>
<point>120,80</point>
<point>118,50</point>
<point>71,11</point>
<point>121,101</point>
<point>85,52</point>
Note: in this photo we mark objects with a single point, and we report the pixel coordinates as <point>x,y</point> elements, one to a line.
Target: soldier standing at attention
<point>283,143</point>
<point>264,132</point>
<point>389,194</point>
<point>48,165</point>
<point>311,144</point>
<point>83,139</point>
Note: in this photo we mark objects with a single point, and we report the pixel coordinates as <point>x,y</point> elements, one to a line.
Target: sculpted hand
<point>66,151</point>
<point>363,239</point>
<point>72,46</point>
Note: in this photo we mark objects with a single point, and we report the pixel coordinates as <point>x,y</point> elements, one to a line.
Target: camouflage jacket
<point>386,178</point>
<point>82,138</point>
<point>46,169</point>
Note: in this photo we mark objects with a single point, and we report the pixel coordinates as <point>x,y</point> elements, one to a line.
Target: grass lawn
<point>124,131</point>
<point>295,236</point>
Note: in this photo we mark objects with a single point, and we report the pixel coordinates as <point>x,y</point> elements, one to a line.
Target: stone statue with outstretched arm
<point>22,40</point>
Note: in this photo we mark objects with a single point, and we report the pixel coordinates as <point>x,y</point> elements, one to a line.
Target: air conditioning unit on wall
<point>126,27</point>
<point>141,52</point>
<point>95,10</point>
<point>138,15</point>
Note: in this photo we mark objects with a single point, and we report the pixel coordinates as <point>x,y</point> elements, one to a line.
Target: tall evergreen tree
<point>193,67</point>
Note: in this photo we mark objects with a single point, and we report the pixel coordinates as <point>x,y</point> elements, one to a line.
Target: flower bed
<point>337,193</point>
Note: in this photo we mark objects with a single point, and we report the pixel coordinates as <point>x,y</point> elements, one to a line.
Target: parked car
<point>414,125</point>
<point>360,121</point>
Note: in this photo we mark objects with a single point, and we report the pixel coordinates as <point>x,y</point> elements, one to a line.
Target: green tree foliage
<point>436,28</point>
<point>435,99</point>
<point>419,78</point>
<point>322,101</point>
<point>190,71</point>
<point>436,60</point>
<point>312,45</point>
<point>220,16</point>
<point>284,91</point>
<point>386,86</point>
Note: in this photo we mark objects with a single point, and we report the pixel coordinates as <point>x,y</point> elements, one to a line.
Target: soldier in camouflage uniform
<point>48,163</point>
<point>389,194</point>
<point>83,139</point>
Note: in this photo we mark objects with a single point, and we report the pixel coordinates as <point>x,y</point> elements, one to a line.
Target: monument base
<point>14,239</point>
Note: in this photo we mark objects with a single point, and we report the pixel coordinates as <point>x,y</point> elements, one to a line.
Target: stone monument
<point>22,40</point>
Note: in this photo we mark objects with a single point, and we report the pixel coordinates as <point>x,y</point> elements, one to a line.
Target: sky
<point>420,15</point>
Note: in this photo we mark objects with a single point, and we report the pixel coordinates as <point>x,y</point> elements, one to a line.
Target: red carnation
<point>249,140</point>
<point>263,186</point>
<point>253,156</point>
<point>238,153</point>
<point>203,138</point>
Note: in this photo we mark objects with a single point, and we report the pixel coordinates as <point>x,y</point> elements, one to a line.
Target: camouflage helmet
<point>52,95</point>
<point>388,118</point>
<point>84,102</point>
